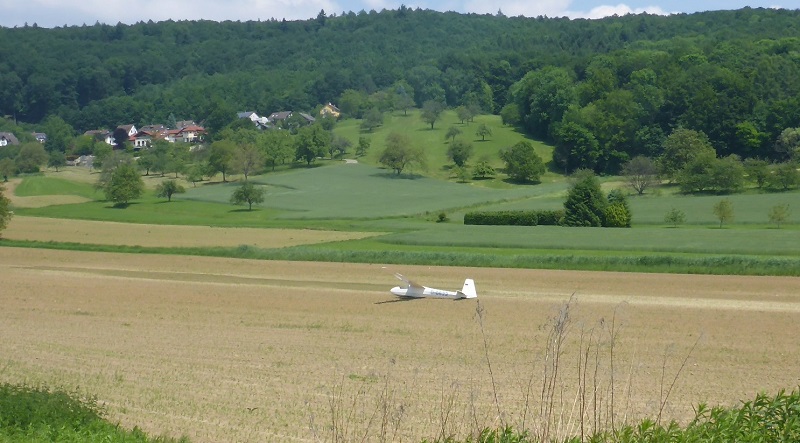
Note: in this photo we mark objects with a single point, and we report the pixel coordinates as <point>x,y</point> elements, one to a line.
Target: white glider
<point>416,290</point>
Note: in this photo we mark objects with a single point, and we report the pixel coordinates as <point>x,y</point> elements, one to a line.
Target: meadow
<point>407,210</point>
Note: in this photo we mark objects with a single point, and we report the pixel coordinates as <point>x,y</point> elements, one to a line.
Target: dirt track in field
<point>147,235</point>
<point>239,350</point>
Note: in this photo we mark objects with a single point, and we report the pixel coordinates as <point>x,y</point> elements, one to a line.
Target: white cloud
<point>550,8</point>
<point>620,9</point>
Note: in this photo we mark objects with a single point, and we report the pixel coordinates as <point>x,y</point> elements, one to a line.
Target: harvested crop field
<point>240,350</point>
<point>150,235</point>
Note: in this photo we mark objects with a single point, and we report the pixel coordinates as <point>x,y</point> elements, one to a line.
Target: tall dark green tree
<point>523,164</point>
<point>585,204</point>
<point>459,152</point>
<point>311,142</point>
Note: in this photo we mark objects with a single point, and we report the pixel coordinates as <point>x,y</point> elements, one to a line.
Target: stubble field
<point>239,350</point>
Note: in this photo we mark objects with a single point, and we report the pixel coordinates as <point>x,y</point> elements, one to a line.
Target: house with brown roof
<point>7,138</point>
<point>129,129</point>
<point>279,116</point>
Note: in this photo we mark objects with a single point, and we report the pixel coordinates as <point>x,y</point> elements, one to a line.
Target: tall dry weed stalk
<point>568,404</point>
<point>587,401</point>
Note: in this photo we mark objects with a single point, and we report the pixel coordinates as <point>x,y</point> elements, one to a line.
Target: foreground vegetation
<point>774,419</point>
<point>38,414</point>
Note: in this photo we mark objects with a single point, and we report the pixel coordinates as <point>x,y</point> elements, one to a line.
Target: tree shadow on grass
<point>243,210</point>
<point>121,205</point>
<point>512,181</point>
<point>393,176</point>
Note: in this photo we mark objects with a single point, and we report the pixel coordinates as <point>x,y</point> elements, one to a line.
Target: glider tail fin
<point>468,290</point>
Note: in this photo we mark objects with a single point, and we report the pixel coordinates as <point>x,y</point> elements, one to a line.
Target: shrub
<point>585,204</point>
<point>514,218</point>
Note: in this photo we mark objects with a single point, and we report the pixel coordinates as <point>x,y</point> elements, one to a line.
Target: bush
<point>514,218</point>
<point>33,414</point>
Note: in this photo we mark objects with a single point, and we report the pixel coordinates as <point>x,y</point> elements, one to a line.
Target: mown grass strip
<point>474,257</point>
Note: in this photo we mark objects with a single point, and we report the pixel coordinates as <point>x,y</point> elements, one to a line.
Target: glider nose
<point>397,290</point>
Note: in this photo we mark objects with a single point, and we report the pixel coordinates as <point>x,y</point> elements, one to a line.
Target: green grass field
<point>366,197</point>
<point>42,185</point>
<point>435,145</point>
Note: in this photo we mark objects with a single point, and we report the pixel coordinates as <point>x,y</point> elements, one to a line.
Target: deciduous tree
<point>7,168</point>
<point>169,187</point>
<point>372,119</point>
<point>31,156</point>
<point>675,217</point>
<point>681,147</point>
<point>220,157</point>
<point>463,113</point>
<point>483,169</point>
<point>757,171</point>
<point>57,159</point>
<point>784,176</point>
<point>779,214</point>
<point>400,154</point>
<point>788,144</point>
<point>59,134</point>
<point>248,193</point>
<point>363,146</point>
<point>311,142</point>
<point>641,173</point>
<point>459,152</point>
<point>723,210</point>
<point>522,162</point>
<point>483,131</point>
<point>576,148</point>
<point>5,209</point>
<point>125,185</point>
<point>452,133</point>
<point>431,111</point>
<point>247,159</point>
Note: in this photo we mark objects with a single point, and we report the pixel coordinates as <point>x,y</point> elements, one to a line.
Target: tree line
<point>656,71</point>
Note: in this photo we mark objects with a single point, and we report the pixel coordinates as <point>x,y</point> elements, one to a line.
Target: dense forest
<point>603,90</point>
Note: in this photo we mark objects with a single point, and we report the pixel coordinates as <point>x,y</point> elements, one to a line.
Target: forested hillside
<point>618,85</point>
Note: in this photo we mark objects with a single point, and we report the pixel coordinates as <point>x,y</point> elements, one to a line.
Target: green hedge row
<point>515,218</point>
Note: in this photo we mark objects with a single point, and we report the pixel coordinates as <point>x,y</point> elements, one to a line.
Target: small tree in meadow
<point>5,210</point>
<point>723,210</point>
<point>125,185</point>
<point>675,217</point>
<point>7,168</point>
<point>617,213</point>
<point>452,133</point>
<point>363,146</point>
<point>56,160</point>
<point>483,131</point>
<point>779,214</point>
<point>168,188</point>
<point>483,169</point>
<point>248,193</point>
<point>459,151</point>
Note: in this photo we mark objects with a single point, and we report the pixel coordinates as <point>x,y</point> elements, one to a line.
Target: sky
<point>52,13</point>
